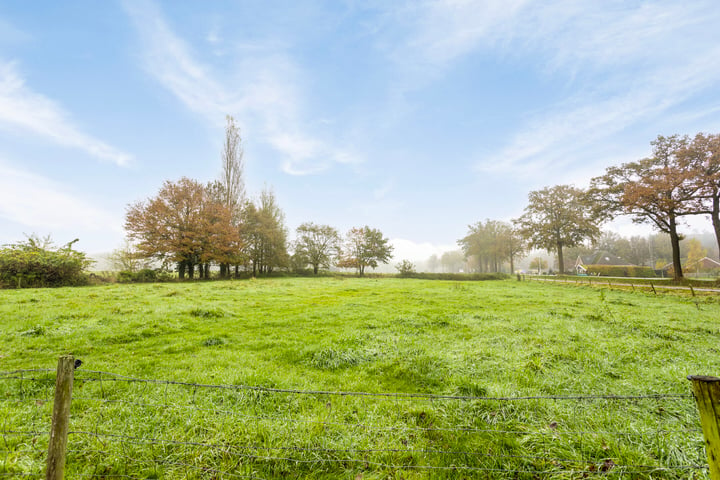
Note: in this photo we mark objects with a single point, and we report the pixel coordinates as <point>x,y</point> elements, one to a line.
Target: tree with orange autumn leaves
<point>659,190</point>
<point>702,156</point>
<point>184,225</point>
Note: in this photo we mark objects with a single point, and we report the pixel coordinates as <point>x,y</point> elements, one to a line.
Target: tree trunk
<point>207,270</point>
<point>675,241</point>
<point>315,268</point>
<point>715,215</point>
<point>191,270</point>
<point>561,261</point>
<point>512,264</point>
<point>181,270</point>
<point>237,271</point>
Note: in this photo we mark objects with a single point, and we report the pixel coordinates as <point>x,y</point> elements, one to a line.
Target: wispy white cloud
<point>624,64</point>
<point>563,33</point>
<point>11,34</point>
<point>23,109</point>
<point>579,126</point>
<point>439,32</point>
<point>262,92</point>
<point>48,205</point>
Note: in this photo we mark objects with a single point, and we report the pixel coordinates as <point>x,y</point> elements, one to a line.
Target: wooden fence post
<point>707,396</point>
<point>60,419</point>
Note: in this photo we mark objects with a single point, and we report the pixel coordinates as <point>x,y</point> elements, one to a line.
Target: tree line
<point>681,178</point>
<point>195,226</point>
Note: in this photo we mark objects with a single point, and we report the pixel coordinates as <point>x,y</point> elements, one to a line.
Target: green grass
<point>479,339</point>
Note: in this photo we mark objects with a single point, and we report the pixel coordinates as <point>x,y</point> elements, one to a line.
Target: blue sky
<point>414,117</point>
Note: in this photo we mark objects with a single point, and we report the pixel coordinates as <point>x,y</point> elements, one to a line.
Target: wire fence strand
<point>245,431</point>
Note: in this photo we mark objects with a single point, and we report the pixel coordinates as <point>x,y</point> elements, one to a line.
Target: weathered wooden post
<point>60,418</point>
<point>707,396</point>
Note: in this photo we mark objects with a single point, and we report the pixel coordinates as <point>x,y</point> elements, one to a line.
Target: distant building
<point>601,257</point>
<point>705,264</point>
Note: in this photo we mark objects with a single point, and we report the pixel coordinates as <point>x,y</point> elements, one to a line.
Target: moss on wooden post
<point>60,419</point>
<point>707,396</point>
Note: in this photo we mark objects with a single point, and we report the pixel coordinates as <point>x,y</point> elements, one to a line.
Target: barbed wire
<point>23,433</point>
<point>430,396</point>
<point>286,419</point>
<point>27,370</point>
<point>639,469</point>
<point>162,462</point>
<point>115,377</point>
<point>230,447</point>
<point>600,282</point>
<point>325,455</point>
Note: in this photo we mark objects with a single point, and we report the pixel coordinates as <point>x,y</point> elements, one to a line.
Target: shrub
<point>37,263</point>
<point>141,276</point>
<point>406,268</point>
<point>620,271</point>
<point>459,276</point>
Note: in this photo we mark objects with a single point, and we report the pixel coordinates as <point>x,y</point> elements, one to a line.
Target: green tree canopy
<point>264,234</point>
<point>316,245</point>
<point>557,217</point>
<point>491,244</point>
<point>365,247</point>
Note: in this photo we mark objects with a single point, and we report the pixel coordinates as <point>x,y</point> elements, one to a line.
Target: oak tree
<point>557,217</point>
<point>365,247</point>
<point>184,225</point>
<point>701,157</point>
<point>316,245</point>
<point>657,190</point>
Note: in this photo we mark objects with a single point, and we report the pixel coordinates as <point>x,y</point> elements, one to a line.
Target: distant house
<point>601,257</point>
<point>705,264</point>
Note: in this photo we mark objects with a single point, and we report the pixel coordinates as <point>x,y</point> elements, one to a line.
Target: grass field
<point>470,339</point>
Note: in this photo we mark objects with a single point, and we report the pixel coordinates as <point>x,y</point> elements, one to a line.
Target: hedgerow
<point>621,271</point>
<point>37,263</point>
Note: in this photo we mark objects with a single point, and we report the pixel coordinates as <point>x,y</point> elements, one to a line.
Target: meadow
<point>495,379</point>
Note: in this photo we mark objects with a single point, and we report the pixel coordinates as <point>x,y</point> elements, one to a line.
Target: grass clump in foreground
<point>469,339</point>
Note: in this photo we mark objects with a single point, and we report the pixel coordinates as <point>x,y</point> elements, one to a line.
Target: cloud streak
<point>46,205</point>
<point>23,109</point>
<point>579,127</point>
<point>262,92</point>
<point>623,65</point>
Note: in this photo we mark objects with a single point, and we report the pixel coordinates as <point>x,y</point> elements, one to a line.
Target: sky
<point>414,117</point>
